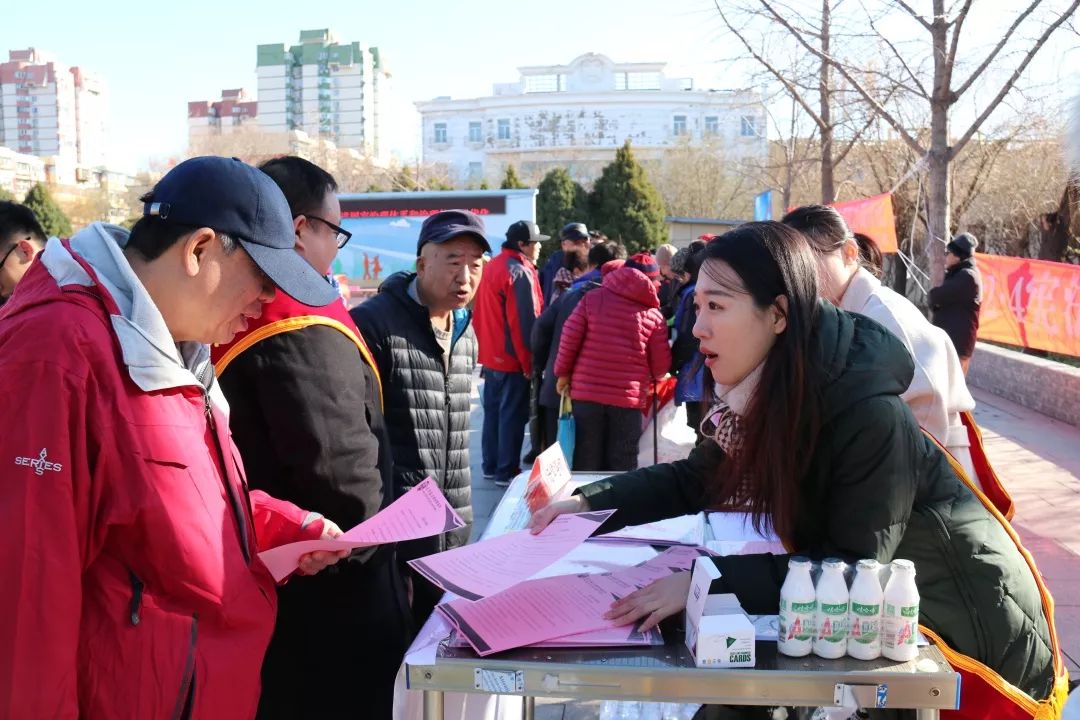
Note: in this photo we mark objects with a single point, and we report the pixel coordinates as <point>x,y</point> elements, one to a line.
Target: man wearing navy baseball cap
<point>126,502</point>
<point>421,334</point>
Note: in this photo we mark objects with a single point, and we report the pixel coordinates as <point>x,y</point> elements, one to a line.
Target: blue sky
<point>155,57</point>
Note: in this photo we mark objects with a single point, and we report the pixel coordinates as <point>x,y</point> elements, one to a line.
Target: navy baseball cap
<point>449,224</point>
<point>234,198</point>
<point>574,231</point>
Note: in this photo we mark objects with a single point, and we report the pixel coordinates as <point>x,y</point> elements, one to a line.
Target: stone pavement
<point>1037,458</point>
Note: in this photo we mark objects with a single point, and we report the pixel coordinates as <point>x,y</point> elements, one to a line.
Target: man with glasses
<point>130,538</point>
<point>307,418</point>
<point>507,304</point>
<point>21,239</point>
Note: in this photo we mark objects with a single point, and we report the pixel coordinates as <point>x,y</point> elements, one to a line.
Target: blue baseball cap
<point>449,224</point>
<point>234,198</point>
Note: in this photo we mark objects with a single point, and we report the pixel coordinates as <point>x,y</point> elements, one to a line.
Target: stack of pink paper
<point>551,608</point>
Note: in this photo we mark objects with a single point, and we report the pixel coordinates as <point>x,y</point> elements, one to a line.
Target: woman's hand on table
<point>654,602</point>
<point>543,517</point>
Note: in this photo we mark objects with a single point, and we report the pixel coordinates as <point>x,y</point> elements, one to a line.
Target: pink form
<point>421,512</point>
<point>538,610</point>
<point>481,569</point>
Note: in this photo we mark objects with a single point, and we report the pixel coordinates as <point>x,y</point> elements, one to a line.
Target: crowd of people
<point>186,394</point>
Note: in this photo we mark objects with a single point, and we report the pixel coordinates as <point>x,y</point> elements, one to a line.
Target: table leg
<point>928,714</point>
<point>433,705</point>
<point>528,708</point>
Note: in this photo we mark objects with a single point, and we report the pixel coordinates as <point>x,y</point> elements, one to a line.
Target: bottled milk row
<point>864,622</point>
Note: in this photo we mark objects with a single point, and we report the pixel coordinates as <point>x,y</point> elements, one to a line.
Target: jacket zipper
<point>238,512</point>
<point>961,579</point>
<point>449,414</point>
<point>185,700</point>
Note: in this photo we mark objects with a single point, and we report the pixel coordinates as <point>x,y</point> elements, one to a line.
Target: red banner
<point>872,216</point>
<point>1032,303</point>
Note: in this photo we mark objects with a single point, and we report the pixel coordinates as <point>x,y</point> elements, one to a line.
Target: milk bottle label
<point>833,622</point>
<point>865,623</point>
<point>798,622</point>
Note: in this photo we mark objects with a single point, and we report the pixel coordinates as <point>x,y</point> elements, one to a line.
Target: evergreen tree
<point>560,201</point>
<point>6,196</point>
<point>52,218</point>
<point>625,204</point>
<point>511,181</point>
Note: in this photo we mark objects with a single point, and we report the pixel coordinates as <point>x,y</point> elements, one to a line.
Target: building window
<point>504,129</point>
<point>440,133</point>
<point>552,82</point>
<point>712,125</point>
<point>475,132</point>
<point>678,125</point>
<point>748,127</point>
<point>637,81</point>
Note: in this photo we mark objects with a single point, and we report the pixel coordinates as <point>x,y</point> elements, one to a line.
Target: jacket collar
<point>94,258</point>
<point>862,287</point>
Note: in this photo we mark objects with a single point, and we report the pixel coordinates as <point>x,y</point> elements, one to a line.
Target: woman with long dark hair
<point>810,436</point>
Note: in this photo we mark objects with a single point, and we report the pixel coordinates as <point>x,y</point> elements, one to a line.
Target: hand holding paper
<point>489,566</point>
<point>549,475</point>
<point>421,512</point>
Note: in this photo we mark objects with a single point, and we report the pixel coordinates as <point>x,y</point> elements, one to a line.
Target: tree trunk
<point>828,190</point>
<point>939,202</point>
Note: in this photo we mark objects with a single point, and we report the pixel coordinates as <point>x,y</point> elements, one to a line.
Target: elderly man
<point>421,334</point>
<point>126,522</point>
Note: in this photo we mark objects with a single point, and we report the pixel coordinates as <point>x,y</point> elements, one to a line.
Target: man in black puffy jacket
<point>956,301</point>
<point>421,335</point>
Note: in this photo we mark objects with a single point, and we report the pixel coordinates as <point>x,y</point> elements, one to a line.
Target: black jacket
<point>876,488</point>
<point>547,273</point>
<point>305,415</point>
<point>427,408</point>
<point>546,333</point>
<point>955,305</point>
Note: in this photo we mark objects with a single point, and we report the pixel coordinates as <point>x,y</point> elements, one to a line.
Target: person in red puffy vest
<point>613,347</point>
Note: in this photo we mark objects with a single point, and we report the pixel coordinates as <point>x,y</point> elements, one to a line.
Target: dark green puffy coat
<point>876,488</point>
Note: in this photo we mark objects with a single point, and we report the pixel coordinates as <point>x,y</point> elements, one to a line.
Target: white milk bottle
<point>831,618</point>
<point>900,619</point>
<point>864,620</point>
<point>797,605</point>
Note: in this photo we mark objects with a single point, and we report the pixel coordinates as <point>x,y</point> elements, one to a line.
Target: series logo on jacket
<point>39,464</point>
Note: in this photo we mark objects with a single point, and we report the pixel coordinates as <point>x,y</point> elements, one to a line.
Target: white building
<point>325,88</point>
<point>53,111</point>
<point>576,115</point>
<point>233,111</point>
<point>19,172</point>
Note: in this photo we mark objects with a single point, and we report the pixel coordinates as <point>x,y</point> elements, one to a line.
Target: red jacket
<point>615,342</point>
<point>508,301</point>
<point>133,585</point>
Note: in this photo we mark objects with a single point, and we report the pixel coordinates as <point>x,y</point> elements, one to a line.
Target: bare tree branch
<point>919,89</point>
<point>787,83</point>
<point>957,24</point>
<point>910,11</point>
<point>958,93</point>
<point>878,107</point>
<point>993,104</point>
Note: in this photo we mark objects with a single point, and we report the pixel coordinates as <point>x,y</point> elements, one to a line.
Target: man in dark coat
<point>574,236</point>
<point>955,302</point>
<point>424,345</point>
<point>306,414</point>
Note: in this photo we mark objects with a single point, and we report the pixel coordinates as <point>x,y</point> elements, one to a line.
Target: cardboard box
<point>718,633</point>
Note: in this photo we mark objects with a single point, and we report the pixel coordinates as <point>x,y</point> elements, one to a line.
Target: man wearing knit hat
<point>956,301</point>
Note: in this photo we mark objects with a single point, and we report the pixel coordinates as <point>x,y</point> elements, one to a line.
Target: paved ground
<point>1038,459</point>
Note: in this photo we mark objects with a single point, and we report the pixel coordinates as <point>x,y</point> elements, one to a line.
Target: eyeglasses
<point>8,254</point>
<point>343,235</point>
